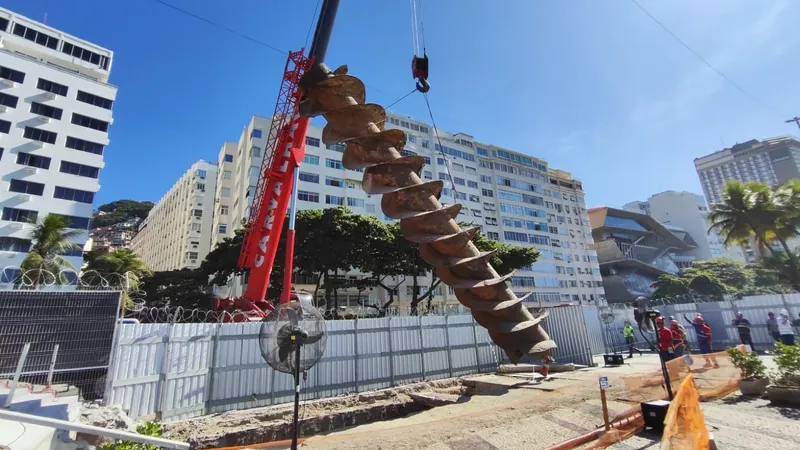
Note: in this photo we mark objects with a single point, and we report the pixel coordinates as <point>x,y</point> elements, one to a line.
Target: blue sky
<point>593,87</point>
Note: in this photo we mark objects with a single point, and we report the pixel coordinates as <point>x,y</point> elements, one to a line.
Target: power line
<point>221,27</point>
<point>701,58</point>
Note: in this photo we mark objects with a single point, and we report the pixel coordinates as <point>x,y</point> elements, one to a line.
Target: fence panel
<point>566,325</point>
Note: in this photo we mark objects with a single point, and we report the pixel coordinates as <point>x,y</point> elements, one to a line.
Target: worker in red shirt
<point>665,347</point>
<point>678,338</point>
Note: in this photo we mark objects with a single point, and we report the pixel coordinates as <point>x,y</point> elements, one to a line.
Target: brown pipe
<point>592,435</point>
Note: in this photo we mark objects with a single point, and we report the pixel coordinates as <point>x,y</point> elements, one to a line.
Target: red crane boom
<point>283,152</point>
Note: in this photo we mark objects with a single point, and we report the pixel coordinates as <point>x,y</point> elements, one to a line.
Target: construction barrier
<point>685,424</point>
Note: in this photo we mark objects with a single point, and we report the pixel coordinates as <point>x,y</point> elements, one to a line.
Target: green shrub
<point>147,429</point>
<point>749,364</point>
<point>787,357</point>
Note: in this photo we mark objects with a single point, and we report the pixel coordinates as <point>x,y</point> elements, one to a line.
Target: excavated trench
<point>254,426</point>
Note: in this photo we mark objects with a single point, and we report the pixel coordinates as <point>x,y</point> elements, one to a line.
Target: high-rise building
<point>514,198</point>
<point>688,212</point>
<point>634,250</point>
<point>223,222</point>
<point>55,111</point>
<point>176,234</point>
<point>772,161</point>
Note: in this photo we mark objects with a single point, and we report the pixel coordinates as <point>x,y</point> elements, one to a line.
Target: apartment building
<point>515,198</point>
<point>772,161</point>
<point>55,112</point>
<point>223,222</point>
<point>176,234</point>
<point>688,212</point>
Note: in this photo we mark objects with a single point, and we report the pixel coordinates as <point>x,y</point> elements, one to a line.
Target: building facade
<point>772,161</point>
<point>55,112</point>
<point>634,249</point>
<point>515,199</point>
<point>688,212</point>
<point>176,234</point>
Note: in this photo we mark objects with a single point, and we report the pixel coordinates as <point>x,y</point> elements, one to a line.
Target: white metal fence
<point>719,315</point>
<point>177,371</point>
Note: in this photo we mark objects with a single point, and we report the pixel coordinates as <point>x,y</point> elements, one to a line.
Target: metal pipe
<point>322,34</point>
<point>590,436</point>
<point>91,430</point>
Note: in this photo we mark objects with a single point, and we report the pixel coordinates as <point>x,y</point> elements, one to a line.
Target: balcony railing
<point>612,250</point>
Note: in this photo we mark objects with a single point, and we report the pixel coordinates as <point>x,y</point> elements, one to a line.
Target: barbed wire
<point>14,277</point>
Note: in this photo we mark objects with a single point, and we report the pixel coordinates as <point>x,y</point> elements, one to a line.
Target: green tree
<point>121,266</point>
<point>732,274</point>
<point>51,239</point>
<point>186,288</point>
<point>667,286</point>
<point>120,211</point>
<point>380,258</point>
<point>222,262</point>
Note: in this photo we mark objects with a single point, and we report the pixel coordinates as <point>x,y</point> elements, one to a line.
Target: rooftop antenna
<point>795,119</point>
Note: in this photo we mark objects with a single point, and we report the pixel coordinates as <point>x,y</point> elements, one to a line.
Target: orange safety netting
<point>685,424</point>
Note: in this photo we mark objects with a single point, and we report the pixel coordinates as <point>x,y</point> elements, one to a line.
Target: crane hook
<point>419,70</point>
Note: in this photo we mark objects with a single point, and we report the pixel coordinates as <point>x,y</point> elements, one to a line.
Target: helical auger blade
<point>340,98</point>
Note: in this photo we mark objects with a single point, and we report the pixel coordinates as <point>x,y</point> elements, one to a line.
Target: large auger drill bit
<point>339,98</point>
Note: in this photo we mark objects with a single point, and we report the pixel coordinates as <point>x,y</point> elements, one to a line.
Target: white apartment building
<point>516,199</point>
<point>177,232</point>
<point>687,212</point>
<point>773,161</point>
<point>223,222</point>
<point>55,111</point>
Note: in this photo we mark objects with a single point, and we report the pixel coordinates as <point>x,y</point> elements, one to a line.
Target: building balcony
<point>652,259</point>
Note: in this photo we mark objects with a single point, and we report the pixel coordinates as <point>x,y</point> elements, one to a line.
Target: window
<point>19,215</point>
<point>308,196</point>
<point>27,159</point>
<point>309,177</point>
<point>89,122</point>
<point>425,144</point>
<point>201,173</point>
<point>223,227</point>
<point>311,159</point>
<point>196,227</point>
<point>36,134</point>
<point>46,110</point>
<point>336,147</point>
<point>493,235</point>
<point>352,184</point>
<point>228,158</point>
<point>78,223</point>
<point>370,208</point>
<point>427,175</point>
<point>200,187</point>
<point>487,192</point>
<point>489,206</point>
<point>5,126</point>
<point>227,174</point>
<point>12,75</point>
<point>442,176</point>
<point>472,184</point>
<point>86,55</point>
<point>335,182</point>
<point>76,195</point>
<point>440,161</point>
<point>355,202</point>
<point>223,210</point>
<point>84,146</point>
<point>9,244</point>
<point>477,212</point>
<point>225,192</point>
<point>405,152</point>
<point>3,24</point>
<point>490,221</point>
<point>454,152</point>
<point>35,36</point>
<point>26,187</point>
<point>459,181</point>
<point>458,167</point>
<point>81,170</point>
<point>312,141</point>
<point>8,100</point>
<point>256,133</point>
<point>255,152</point>
<point>333,164</point>
<point>537,239</point>
<point>334,200</point>
<point>198,213</point>
<point>515,236</point>
<point>50,86</point>
<point>427,160</point>
<point>96,100</point>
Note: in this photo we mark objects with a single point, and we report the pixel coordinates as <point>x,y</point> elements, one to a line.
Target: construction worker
<point>772,327</point>
<point>665,348</point>
<point>627,333</point>
<point>743,326</point>
<point>678,338</point>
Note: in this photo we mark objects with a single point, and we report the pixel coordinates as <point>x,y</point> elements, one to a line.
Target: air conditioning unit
<point>7,83</point>
<point>43,119</point>
<point>3,109</point>
<point>49,95</point>
<point>30,170</point>
<point>23,197</point>
<point>37,144</point>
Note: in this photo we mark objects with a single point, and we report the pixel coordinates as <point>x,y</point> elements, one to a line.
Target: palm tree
<point>51,238</point>
<point>124,263</point>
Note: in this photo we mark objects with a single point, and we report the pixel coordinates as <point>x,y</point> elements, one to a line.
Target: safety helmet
<point>660,320</point>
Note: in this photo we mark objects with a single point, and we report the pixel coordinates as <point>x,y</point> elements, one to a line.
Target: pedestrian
<point>665,349</point>
<point>627,332</point>
<point>703,333</point>
<point>678,338</point>
<point>743,326</point>
<point>772,326</point>
<point>785,328</point>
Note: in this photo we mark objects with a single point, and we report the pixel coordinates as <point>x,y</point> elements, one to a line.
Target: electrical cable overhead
<point>311,25</point>
<point>705,61</point>
<point>221,27</point>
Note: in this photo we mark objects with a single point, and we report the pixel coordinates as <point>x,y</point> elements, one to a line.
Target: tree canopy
<point>119,211</point>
